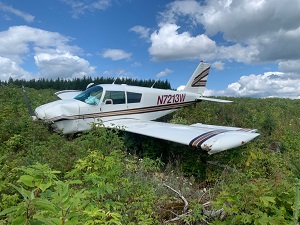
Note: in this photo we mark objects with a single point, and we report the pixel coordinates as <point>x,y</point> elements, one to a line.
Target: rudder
<point>197,82</point>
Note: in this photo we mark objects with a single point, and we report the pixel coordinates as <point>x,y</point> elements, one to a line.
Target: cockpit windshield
<point>91,96</point>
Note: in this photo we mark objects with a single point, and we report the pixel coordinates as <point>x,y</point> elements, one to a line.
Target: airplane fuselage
<point>112,102</point>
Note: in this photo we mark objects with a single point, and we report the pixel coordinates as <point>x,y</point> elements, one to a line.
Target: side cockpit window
<point>133,97</point>
<point>114,97</point>
<point>91,96</point>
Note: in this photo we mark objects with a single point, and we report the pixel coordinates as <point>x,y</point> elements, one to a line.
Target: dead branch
<point>220,213</point>
<point>176,218</point>
<point>186,204</point>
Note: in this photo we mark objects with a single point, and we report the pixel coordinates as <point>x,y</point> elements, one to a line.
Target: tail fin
<point>197,82</point>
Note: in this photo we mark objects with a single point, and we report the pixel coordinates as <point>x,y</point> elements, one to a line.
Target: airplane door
<point>112,104</point>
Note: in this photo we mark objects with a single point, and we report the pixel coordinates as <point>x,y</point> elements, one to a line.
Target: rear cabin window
<point>133,97</point>
<point>117,97</point>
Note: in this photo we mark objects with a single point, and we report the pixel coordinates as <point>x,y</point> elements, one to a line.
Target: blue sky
<point>252,46</point>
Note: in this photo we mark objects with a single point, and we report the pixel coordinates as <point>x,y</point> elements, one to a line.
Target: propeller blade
<point>30,111</point>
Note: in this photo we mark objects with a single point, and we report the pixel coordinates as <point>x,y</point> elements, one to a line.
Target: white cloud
<point>164,73</point>
<point>15,43</point>
<point>80,8</point>
<point>8,9</point>
<point>167,44</point>
<point>181,88</point>
<point>142,31</point>
<point>290,66</point>
<point>246,31</point>
<point>10,69</point>
<point>179,9</point>
<point>50,50</point>
<point>243,16</point>
<point>63,65</point>
<point>116,54</point>
<point>269,84</point>
<point>218,65</point>
<point>236,52</point>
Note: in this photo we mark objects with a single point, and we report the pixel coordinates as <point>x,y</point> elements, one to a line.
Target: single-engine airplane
<point>133,109</point>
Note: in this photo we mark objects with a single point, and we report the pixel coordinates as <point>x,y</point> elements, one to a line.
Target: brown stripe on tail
<point>198,81</point>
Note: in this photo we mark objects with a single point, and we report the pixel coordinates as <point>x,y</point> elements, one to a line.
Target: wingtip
<point>228,140</point>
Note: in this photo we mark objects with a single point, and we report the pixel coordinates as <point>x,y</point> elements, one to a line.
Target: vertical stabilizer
<point>197,82</point>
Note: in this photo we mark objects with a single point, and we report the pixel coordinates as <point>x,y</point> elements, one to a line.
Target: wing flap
<point>211,138</point>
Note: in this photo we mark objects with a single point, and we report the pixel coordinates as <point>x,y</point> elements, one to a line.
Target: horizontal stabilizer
<point>214,100</point>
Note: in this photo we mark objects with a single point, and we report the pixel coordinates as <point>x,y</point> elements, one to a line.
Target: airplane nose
<point>40,113</point>
<point>55,109</point>
<point>227,140</point>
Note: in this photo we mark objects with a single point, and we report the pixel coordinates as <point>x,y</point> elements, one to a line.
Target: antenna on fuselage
<point>89,85</point>
<point>154,83</point>
<point>115,79</point>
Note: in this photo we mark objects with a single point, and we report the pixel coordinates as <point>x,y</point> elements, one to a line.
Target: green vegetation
<point>110,177</point>
<point>81,83</point>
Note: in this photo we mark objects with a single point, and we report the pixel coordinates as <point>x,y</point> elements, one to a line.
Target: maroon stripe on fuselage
<point>124,112</point>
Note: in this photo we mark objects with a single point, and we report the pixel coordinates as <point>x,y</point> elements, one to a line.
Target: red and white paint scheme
<point>134,108</point>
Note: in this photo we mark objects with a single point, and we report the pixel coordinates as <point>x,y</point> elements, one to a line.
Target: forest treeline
<point>81,83</point>
<point>112,177</point>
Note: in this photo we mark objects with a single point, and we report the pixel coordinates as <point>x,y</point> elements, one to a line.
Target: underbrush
<point>108,177</point>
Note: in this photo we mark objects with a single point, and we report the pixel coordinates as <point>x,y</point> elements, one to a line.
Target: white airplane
<point>133,109</point>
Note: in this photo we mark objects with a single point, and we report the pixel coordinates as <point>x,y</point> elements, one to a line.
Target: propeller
<point>30,111</point>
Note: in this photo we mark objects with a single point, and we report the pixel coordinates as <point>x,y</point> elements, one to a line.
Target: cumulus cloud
<point>164,73</point>
<point>63,65</point>
<point>189,10</point>
<point>218,65</point>
<point>248,32</point>
<point>8,9</point>
<point>181,88</point>
<point>290,66</point>
<point>116,54</point>
<point>269,84</point>
<point>168,43</point>
<point>15,42</point>
<point>10,69</point>
<point>21,43</point>
<point>142,31</point>
<point>235,25</point>
<point>229,17</point>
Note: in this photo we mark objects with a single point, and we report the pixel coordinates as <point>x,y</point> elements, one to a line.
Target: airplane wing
<point>210,138</point>
<point>213,100</point>
<point>67,94</point>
